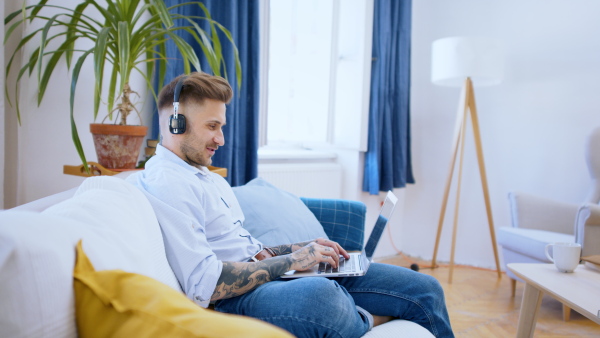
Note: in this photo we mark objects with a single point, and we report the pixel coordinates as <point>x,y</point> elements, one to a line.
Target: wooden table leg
<point>532,298</point>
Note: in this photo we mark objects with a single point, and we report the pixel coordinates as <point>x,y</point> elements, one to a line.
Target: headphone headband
<point>178,87</point>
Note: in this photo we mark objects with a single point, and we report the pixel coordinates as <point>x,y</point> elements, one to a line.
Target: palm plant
<point>129,35</point>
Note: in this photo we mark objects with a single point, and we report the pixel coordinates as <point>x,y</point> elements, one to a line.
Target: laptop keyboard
<point>344,266</point>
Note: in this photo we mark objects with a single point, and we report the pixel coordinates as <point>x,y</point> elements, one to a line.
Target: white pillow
<point>37,254</point>
<point>116,210</point>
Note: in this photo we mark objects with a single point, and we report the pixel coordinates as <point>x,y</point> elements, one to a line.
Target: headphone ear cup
<point>177,124</point>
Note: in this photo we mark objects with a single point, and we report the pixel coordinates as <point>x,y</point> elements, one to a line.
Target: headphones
<point>177,121</point>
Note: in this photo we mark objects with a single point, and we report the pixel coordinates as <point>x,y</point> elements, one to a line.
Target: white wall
<point>533,125</point>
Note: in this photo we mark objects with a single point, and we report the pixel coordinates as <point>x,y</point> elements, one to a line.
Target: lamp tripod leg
<point>460,116</point>
<point>457,205</point>
<point>482,173</point>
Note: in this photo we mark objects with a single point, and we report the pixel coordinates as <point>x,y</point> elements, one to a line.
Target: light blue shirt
<point>200,218</point>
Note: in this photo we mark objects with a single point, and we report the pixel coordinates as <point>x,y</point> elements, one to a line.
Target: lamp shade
<point>455,58</point>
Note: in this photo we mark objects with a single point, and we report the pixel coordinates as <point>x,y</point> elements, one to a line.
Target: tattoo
<point>288,248</point>
<point>308,260</point>
<point>238,278</point>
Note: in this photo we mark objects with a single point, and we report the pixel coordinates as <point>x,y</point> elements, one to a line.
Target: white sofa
<point>118,229</point>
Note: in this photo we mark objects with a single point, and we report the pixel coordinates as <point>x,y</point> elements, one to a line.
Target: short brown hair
<point>197,87</point>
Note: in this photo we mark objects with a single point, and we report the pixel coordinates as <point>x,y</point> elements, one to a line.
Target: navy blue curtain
<point>239,155</point>
<point>388,159</point>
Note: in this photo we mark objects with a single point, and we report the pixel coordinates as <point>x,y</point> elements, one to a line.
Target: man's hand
<point>338,248</point>
<point>315,253</point>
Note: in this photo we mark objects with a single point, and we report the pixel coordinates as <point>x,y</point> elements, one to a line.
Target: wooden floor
<point>480,305</point>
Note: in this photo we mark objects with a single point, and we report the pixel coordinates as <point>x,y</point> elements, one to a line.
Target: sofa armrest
<point>533,212</point>
<point>44,203</point>
<point>587,231</point>
<point>342,220</point>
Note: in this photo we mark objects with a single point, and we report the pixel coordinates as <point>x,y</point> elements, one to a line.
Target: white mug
<point>565,256</point>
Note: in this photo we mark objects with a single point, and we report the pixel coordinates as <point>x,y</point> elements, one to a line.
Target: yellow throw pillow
<point>115,303</point>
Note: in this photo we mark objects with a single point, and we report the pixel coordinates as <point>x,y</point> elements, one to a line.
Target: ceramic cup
<point>565,256</point>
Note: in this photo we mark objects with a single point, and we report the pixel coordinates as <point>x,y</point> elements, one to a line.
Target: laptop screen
<point>384,215</point>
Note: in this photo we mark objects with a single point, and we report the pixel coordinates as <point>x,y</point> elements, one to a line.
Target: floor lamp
<point>465,61</point>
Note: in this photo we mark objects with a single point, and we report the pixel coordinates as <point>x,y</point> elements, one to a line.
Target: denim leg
<point>388,290</point>
<point>306,307</point>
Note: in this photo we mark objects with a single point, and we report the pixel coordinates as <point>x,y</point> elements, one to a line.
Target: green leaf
<point>75,19</point>
<point>37,8</point>
<point>162,11</point>
<point>99,59</point>
<point>74,133</point>
<point>187,52</point>
<point>47,73</point>
<point>10,30</point>
<point>43,44</point>
<point>112,91</point>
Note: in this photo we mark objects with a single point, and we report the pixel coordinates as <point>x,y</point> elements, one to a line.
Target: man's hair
<point>196,88</point>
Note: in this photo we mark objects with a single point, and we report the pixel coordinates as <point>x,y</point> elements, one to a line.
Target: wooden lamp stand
<point>466,106</point>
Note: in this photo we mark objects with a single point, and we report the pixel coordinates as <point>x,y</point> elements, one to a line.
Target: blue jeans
<point>322,307</point>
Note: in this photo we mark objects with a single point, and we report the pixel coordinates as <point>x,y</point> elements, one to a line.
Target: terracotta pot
<point>117,146</point>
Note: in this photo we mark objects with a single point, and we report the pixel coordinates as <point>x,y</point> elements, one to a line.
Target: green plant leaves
<point>122,33</point>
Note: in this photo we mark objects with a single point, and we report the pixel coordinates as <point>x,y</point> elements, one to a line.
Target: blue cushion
<point>275,216</point>
<point>342,220</point>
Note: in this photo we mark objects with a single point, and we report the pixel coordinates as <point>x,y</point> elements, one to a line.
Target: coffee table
<point>579,290</point>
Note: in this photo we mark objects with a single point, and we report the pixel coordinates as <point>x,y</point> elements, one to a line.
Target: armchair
<point>537,221</point>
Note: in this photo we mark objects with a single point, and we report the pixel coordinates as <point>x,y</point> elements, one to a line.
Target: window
<point>300,45</point>
<point>316,62</point>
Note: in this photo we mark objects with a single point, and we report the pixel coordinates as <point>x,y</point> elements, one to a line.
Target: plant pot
<point>118,146</point>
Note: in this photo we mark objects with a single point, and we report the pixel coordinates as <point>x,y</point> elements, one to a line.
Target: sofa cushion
<point>275,216</point>
<point>399,328</point>
<point>530,242</point>
<point>116,210</point>
<point>36,263</point>
<point>37,253</point>
<point>133,305</point>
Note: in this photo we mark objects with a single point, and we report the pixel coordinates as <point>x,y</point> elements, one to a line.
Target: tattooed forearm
<point>238,278</point>
<point>288,248</point>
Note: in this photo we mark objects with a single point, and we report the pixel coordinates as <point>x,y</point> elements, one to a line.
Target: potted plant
<point>127,34</point>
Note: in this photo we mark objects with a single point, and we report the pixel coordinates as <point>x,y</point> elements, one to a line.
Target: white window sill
<point>285,154</point>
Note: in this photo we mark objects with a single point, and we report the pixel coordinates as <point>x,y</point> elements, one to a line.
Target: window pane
<point>299,70</point>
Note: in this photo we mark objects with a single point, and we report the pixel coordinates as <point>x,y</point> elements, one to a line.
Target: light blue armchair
<point>537,221</point>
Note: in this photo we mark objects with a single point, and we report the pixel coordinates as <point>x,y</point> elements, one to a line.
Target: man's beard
<point>194,157</point>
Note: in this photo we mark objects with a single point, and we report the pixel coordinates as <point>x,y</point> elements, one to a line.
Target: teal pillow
<point>274,216</point>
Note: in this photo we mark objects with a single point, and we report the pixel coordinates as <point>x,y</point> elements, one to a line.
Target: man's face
<point>204,132</point>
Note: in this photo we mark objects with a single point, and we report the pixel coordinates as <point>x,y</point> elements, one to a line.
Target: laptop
<point>358,263</point>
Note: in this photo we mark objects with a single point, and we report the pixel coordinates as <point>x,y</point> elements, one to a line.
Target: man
<point>211,253</point>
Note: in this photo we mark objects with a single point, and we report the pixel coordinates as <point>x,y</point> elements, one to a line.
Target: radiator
<point>318,180</point>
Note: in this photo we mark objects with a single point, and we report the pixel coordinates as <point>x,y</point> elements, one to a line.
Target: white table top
<point>580,290</point>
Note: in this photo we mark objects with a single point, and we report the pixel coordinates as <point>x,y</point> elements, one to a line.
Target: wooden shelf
<point>97,170</point>
<point>217,170</point>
